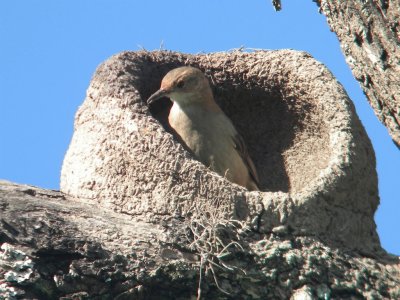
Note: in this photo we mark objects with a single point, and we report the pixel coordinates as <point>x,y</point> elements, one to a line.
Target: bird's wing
<point>241,148</point>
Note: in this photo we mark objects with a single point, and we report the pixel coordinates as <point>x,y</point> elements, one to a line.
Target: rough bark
<point>57,247</point>
<point>369,35</point>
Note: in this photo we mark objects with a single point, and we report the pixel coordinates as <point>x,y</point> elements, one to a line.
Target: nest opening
<point>266,119</point>
<point>283,126</point>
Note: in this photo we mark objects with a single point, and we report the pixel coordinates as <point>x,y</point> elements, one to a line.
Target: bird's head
<point>183,85</point>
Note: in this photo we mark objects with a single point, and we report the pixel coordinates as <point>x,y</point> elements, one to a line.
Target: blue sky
<point>50,49</point>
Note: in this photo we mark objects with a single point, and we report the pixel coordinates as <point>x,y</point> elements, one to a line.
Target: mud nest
<point>315,162</point>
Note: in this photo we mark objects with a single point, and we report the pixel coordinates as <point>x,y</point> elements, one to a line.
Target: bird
<point>204,128</point>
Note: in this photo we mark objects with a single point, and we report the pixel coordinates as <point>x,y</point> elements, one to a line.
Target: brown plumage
<point>204,128</point>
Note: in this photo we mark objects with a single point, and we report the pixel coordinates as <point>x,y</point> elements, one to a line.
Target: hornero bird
<point>204,128</point>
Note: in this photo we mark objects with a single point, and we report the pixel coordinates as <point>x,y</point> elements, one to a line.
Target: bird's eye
<point>180,84</point>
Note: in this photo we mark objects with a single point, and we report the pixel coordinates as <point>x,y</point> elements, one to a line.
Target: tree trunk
<point>57,247</point>
<point>369,34</point>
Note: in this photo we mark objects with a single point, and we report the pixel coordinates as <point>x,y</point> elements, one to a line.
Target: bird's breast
<point>207,134</point>
<point>192,127</point>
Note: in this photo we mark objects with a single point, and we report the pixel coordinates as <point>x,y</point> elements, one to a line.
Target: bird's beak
<point>157,95</point>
